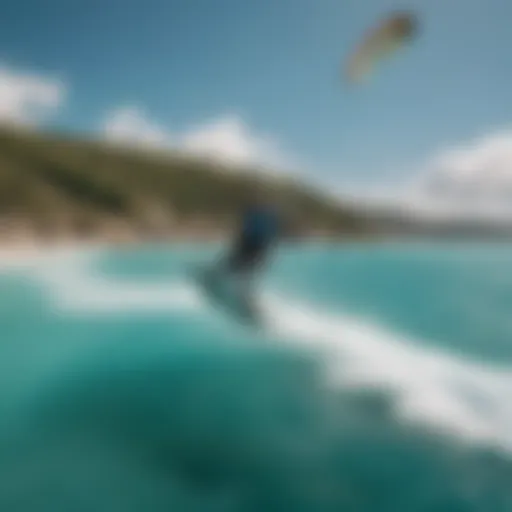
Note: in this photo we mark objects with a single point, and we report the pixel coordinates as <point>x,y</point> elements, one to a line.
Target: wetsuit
<point>260,229</point>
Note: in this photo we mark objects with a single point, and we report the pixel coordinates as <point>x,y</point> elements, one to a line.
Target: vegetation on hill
<point>51,184</point>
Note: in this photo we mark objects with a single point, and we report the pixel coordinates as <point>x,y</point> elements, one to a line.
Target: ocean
<point>381,383</point>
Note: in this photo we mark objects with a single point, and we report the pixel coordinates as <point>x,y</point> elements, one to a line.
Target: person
<point>262,225</point>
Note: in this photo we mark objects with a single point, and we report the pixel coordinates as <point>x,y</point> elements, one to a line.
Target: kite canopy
<point>382,41</point>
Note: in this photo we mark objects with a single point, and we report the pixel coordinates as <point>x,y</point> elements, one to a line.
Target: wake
<point>446,391</point>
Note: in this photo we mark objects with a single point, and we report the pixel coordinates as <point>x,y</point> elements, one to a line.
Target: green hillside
<point>53,183</point>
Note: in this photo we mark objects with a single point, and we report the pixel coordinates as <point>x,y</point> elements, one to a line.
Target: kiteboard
<point>238,305</point>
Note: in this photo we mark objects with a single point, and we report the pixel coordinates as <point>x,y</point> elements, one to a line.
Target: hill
<point>54,185</point>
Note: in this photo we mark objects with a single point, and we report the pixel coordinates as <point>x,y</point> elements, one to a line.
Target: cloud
<point>231,140</point>
<point>485,165</point>
<point>467,181</point>
<point>28,98</point>
<point>471,181</point>
<point>226,139</point>
<point>475,177</point>
<point>130,125</point>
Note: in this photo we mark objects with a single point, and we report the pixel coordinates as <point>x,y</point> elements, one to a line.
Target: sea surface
<point>382,382</point>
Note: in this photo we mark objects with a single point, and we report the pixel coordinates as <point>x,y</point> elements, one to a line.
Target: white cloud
<point>485,163</point>
<point>227,139</point>
<point>472,180</point>
<point>27,98</point>
<point>475,178</point>
<point>467,181</point>
<point>130,125</point>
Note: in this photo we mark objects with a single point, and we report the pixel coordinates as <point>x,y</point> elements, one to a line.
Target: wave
<point>314,422</point>
<point>430,386</point>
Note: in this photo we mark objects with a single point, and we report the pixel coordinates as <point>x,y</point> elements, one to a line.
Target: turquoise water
<point>382,383</point>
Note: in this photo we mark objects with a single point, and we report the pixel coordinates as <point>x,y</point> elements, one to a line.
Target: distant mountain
<point>57,185</point>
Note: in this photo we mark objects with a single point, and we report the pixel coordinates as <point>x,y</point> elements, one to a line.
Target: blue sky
<point>276,64</point>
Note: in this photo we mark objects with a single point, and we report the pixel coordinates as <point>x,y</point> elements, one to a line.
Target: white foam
<point>31,258</point>
<point>431,386</point>
<point>73,286</point>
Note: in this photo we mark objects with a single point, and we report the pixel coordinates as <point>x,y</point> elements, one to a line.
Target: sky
<point>259,82</point>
